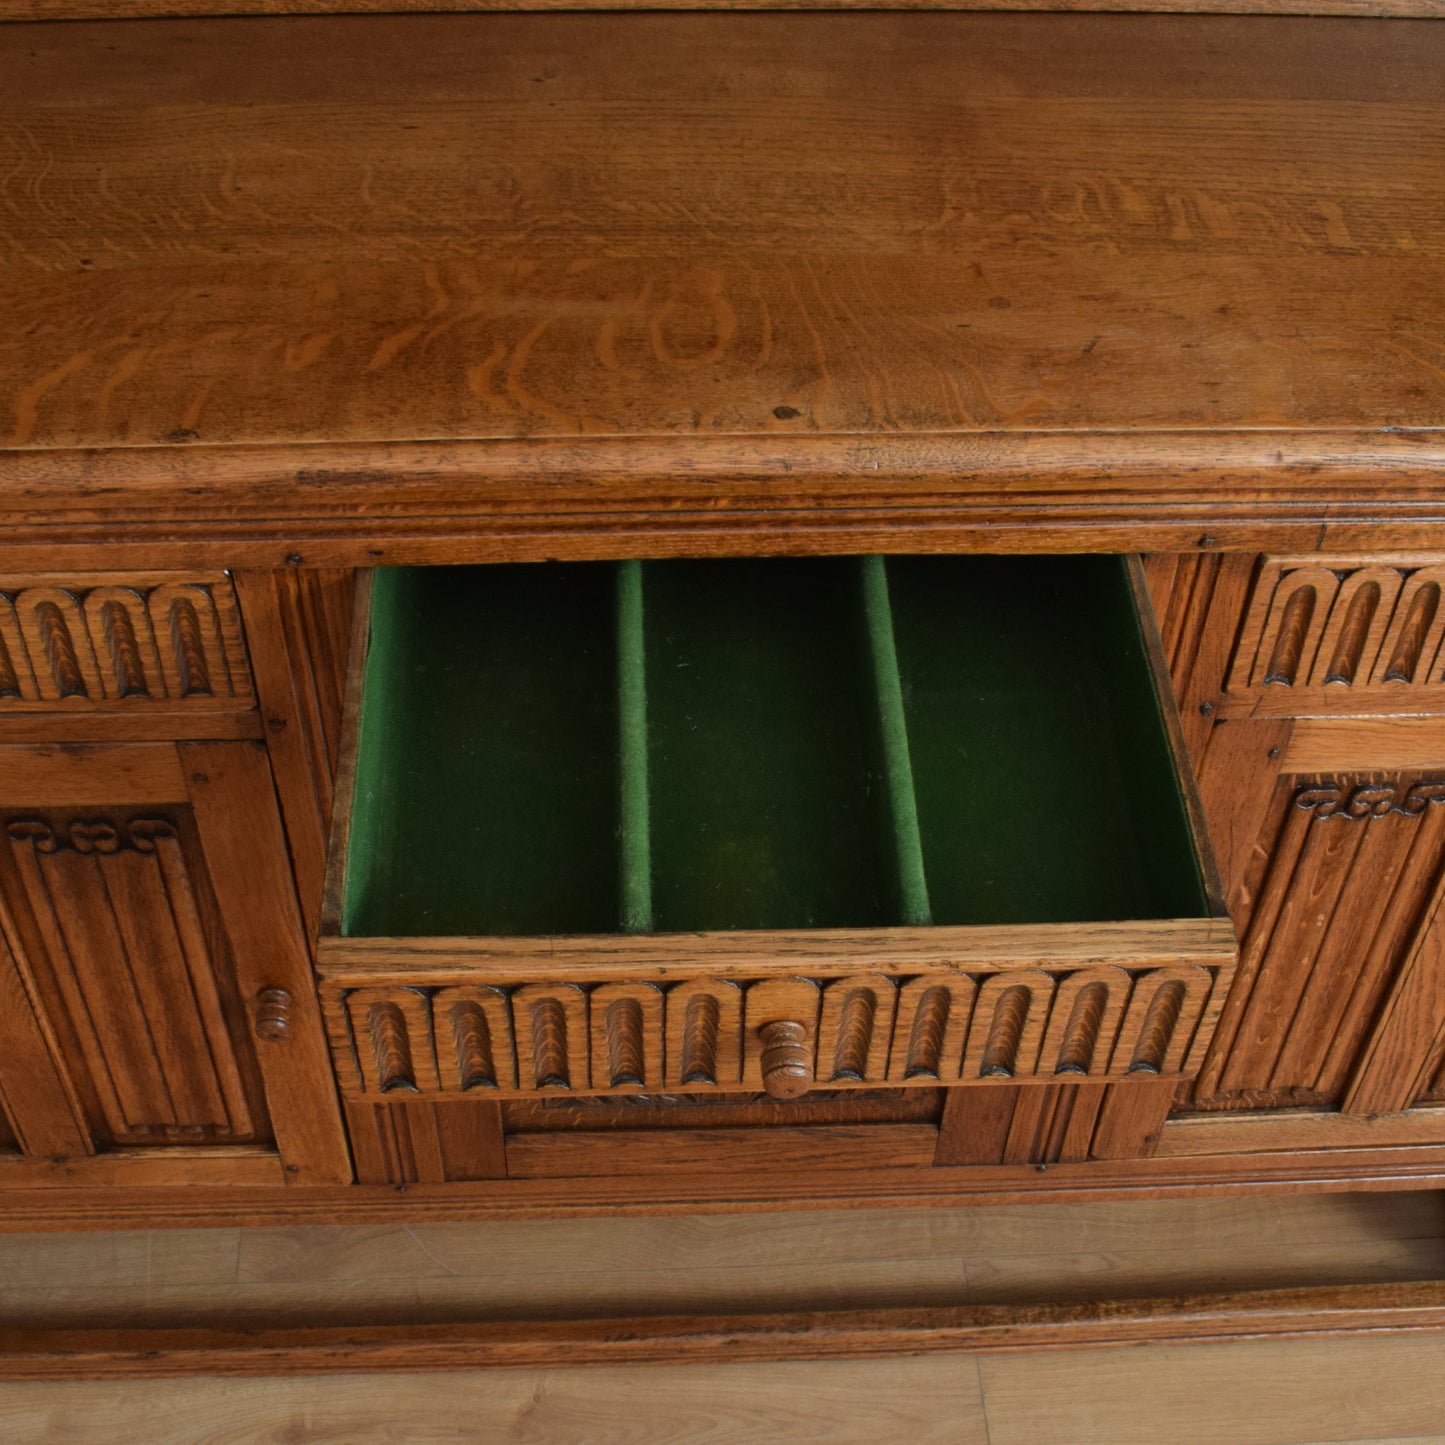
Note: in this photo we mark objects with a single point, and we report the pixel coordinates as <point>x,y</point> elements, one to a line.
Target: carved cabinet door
<point>156,1004</point>
<point>1332,837</point>
<point>1313,691</point>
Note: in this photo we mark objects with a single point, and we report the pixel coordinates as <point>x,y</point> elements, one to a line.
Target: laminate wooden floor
<point>1254,1393</point>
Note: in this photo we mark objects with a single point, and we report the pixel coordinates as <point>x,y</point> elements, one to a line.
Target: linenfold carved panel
<point>870,1030</point>
<point>1335,635</point>
<point>100,642</point>
<point>116,936</point>
<point>1353,864</point>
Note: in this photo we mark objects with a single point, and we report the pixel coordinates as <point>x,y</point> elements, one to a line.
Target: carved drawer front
<point>780,1035</point>
<point>121,642</point>
<point>1340,635</point>
<point>764,827</point>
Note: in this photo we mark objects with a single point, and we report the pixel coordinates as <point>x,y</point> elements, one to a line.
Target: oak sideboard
<point>718,610</point>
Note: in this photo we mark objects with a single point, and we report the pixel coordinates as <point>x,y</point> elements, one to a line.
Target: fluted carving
<point>124,651</point>
<point>1081,1034</point>
<point>118,923</point>
<point>622,1023</point>
<point>9,677</point>
<point>59,651</point>
<point>476,1068</point>
<point>548,1025</point>
<point>699,1040</point>
<point>925,1039</point>
<point>855,1035</point>
<point>1333,634</point>
<point>101,643</point>
<point>1000,1052</point>
<point>1284,660</point>
<point>692,1037</point>
<point>189,644</point>
<point>1157,1031</point>
<point>1349,649</point>
<point>391,1048</point>
<point>1409,642</point>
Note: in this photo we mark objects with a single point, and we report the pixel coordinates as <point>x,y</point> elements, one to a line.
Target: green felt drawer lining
<point>696,745</point>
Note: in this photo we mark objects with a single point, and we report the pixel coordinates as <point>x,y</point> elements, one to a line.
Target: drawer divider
<point>897,761</point>
<point>634,807</point>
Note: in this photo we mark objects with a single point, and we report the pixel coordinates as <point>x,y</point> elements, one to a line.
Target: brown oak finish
<point>13,10</point>
<point>1293,1165</point>
<point>298,624</point>
<point>136,922</point>
<point>759,356</point>
<point>403,1144</point>
<point>1330,844</point>
<point>241,832</point>
<point>813,284</point>
<point>974,1329</point>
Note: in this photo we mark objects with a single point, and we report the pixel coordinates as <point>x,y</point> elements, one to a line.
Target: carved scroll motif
<point>1361,801</point>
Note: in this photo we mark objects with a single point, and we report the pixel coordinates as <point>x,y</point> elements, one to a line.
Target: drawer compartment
<point>761,824</point>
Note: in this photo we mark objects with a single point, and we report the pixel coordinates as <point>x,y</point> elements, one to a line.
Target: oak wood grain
<point>1049,280</point>
<point>1394,1165</point>
<point>13,10</point>
<point>931,1402</point>
<point>1270,1393</point>
<point>64,775</point>
<point>1296,1128</point>
<point>240,830</point>
<point>298,627</point>
<point>825,953</point>
<point>1338,1312</point>
<point>1364,744</point>
<point>872,281</point>
<point>782,1151</point>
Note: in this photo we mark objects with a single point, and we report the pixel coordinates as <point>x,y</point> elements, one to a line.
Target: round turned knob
<point>273,1014</point>
<point>787,1059</point>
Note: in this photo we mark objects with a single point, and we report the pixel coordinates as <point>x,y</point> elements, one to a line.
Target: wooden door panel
<point>1328,827</point>
<point>109,910</point>
<point>245,848</point>
<point>146,902</point>
<point>42,1115</point>
<point>1351,869</point>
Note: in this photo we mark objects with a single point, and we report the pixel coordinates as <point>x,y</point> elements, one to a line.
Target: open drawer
<point>760,825</point>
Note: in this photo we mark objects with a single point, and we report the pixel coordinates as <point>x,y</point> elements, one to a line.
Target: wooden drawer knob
<point>273,1014</point>
<point>787,1059</point>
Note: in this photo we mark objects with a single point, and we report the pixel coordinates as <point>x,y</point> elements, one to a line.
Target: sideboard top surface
<point>512,251</point>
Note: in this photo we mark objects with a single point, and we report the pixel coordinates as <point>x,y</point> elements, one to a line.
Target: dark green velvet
<point>503,732</point>
<point>768,808</point>
<point>1045,789</point>
<point>486,783</point>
